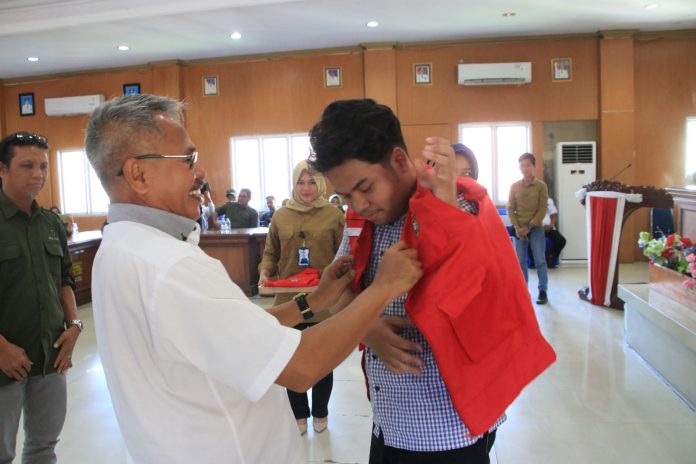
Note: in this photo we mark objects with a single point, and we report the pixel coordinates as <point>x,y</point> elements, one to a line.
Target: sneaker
<point>320,424</point>
<point>302,425</point>
<point>542,298</point>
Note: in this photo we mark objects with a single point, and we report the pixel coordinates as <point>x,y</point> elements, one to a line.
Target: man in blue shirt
<point>359,146</point>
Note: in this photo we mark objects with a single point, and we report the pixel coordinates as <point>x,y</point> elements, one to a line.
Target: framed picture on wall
<point>561,69</point>
<point>26,104</point>
<point>210,85</point>
<point>422,74</point>
<point>131,89</point>
<point>332,77</point>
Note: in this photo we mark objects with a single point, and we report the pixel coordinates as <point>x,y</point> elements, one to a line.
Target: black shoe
<point>542,298</point>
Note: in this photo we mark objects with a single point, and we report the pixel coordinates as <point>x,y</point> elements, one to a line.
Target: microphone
<point>621,171</point>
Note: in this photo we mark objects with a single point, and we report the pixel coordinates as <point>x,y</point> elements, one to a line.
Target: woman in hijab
<point>305,233</point>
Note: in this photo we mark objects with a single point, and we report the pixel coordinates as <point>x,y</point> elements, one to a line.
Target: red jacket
<point>472,303</point>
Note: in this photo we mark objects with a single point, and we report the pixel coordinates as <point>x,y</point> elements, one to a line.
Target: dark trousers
<point>559,242</point>
<point>473,454</point>
<point>321,393</point>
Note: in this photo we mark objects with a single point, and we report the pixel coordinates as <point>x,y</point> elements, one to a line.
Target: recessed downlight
<point>32,58</point>
<point>236,35</point>
<point>509,14</point>
<point>124,48</point>
<point>651,6</point>
<point>372,24</point>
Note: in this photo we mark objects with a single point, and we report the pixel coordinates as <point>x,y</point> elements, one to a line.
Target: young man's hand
<point>439,177</point>
<point>396,352</point>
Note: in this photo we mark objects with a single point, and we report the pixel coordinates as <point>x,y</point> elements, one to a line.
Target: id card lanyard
<point>303,251</point>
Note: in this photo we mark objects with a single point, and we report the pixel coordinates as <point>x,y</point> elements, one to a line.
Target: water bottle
<point>228,226</point>
<point>74,228</point>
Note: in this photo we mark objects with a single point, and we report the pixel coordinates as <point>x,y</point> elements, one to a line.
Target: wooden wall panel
<point>262,97</point>
<point>380,77</point>
<point>415,135</point>
<point>65,132</point>
<point>447,102</point>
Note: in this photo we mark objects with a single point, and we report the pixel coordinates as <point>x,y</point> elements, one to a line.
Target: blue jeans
<point>535,240</point>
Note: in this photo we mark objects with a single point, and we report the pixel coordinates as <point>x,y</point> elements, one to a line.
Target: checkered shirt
<point>414,412</point>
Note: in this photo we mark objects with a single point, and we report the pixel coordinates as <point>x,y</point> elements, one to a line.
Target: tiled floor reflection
<point>598,404</point>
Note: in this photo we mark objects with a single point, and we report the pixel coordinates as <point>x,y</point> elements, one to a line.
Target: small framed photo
<point>210,85</point>
<point>131,89</point>
<point>561,69</point>
<point>332,77</point>
<point>26,104</point>
<point>421,74</point>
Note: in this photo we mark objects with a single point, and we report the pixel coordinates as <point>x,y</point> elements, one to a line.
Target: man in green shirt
<point>526,209</point>
<point>240,214</point>
<point>38,314</point>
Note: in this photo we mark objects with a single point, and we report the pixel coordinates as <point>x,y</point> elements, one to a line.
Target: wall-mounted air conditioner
<point>494,73</point>
<point>71,106</point>
<point>576,165</point>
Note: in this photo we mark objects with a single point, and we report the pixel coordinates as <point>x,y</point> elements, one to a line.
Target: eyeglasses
<point>190,159</point>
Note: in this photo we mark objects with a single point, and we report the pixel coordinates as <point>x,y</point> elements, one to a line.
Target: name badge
<point>303,256</point>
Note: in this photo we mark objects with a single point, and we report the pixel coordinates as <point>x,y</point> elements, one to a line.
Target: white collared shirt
<point>190,362</point>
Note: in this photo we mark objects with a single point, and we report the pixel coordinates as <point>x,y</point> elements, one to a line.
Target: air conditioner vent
<point>577,153</point>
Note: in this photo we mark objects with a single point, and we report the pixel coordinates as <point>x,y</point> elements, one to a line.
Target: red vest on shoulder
<point>472,303</point>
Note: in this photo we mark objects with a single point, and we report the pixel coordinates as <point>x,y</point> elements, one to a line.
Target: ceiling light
<point>372,24</point>
<point>651,6</point>
<point>235,35</point>
<point>123,48</point>
<point>33,58</point>
<point>509,14</point>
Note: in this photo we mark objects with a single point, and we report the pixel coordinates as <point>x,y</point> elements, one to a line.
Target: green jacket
<point>240,216</point>
<point>34,266</point>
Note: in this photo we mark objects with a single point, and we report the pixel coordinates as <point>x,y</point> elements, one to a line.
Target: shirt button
<point>376,388</point>
<point>374,356</point>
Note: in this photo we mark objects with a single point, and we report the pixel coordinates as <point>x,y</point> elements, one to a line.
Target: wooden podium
<point>651,198</point>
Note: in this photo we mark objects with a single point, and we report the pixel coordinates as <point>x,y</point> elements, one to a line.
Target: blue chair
<point>661,222</point>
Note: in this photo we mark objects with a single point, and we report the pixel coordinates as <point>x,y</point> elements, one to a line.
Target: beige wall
<point>637,93</point>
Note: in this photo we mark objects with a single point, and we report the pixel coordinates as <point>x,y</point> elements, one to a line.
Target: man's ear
<point>399,160</point>
<point>135,176</point>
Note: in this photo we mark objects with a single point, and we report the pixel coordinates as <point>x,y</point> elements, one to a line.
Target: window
<point>264,165</point>
<point>690,146</point>
<point>497,148</point>
<point>80,189</point>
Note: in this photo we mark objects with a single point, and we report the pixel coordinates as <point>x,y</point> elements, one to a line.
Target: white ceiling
<point>72,35</point>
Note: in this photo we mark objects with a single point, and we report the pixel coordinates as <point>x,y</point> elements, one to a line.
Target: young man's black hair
<point>359,129</point>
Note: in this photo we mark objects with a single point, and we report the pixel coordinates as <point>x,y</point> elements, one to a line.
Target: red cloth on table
<point>307,278</point>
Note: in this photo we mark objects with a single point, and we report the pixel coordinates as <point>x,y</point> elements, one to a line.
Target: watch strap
<point>303,305</point>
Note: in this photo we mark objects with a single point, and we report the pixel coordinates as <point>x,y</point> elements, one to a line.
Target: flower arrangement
<point>674,252</point>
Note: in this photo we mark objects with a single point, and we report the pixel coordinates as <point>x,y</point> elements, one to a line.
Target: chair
<point>661,222</point>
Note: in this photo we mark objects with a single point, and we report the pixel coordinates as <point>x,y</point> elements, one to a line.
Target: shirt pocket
<point>54,258</point>
<point>10,267</point>
<point>478,327</point>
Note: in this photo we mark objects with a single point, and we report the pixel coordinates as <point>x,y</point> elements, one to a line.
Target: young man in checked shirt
<point>359,146</point>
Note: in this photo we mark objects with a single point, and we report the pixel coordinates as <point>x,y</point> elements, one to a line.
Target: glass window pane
<point>73,182</point>
<point>511,142</point>
<point>690,146</point>
<point>479,139</point>
<point>246,169</point>
<point>276,171</point>
<point>98,200</point>
<point>300,148</point>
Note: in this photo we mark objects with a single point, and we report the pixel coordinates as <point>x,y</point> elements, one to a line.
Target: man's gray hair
<point>118,127</point>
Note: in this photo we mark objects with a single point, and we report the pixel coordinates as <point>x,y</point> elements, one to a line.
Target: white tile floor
<point>597,404</point>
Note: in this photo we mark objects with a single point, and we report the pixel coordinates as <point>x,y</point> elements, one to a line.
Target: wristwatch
<point>75,322</point>
<point>305,310</point>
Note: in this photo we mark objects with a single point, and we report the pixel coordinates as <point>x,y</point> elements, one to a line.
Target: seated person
<point>555,242</point>
<point>558,241</point>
